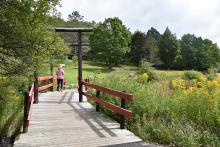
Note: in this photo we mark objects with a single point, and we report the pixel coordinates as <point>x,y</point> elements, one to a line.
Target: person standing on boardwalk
<point>60,77</point>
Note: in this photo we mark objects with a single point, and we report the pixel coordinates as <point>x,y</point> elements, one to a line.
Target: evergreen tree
<point>138,47</point>
<point>169,49</point>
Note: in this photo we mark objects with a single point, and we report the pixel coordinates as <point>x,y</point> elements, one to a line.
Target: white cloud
<point>201,17</point>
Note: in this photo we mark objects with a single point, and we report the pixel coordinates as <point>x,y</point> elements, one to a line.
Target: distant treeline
<point>161,50</point>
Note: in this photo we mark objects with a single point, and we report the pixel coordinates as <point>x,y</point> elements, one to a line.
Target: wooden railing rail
<point>46,86</point>
<point>28,104</point>
<point>121,110</point>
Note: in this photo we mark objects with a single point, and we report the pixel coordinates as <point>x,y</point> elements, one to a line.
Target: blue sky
<point>200,17</point>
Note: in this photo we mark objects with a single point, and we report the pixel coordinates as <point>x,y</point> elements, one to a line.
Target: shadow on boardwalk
<point>60,120</point>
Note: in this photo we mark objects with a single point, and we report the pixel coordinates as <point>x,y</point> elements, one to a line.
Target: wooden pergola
<point>79,43</point>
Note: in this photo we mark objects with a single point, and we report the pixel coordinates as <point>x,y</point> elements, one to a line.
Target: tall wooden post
<point>80,65</point>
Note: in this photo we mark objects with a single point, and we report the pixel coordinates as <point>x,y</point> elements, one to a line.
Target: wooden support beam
<point>80,66</point>
<point>72,29</point>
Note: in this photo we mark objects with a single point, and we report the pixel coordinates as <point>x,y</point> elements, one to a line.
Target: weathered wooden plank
<point>70,123</point>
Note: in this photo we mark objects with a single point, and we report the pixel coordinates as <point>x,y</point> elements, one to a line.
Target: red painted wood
<point>45,78</point>
<point>46,83</point>
<point>27,123</point>
<point>30,109</point>
<point>122,95</point>
<point>110,106</point>
<point>45,87</point>
<point>31,90</point>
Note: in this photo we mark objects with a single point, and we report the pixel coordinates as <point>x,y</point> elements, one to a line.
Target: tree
<point>138,49</point>
<point>75,16</point>
<point>207,56</point>
<point>25,38</point>
<point>189,46</point>
<point>152,43</point>
<point>154,33</point>
<point>110,41</point>
<point>197,53</point>
<point>169,49</point>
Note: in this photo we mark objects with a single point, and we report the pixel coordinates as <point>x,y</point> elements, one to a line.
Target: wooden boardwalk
<point>60,120</point>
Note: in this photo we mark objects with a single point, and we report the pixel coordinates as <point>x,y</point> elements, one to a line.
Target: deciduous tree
<point>25,38</point>
<point>110,41</point>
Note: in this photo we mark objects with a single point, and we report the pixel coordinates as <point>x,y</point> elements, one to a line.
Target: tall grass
<point>11,105</point>
<point>167,116</point>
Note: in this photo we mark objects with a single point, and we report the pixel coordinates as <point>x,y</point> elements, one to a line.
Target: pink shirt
<point>60,74</point>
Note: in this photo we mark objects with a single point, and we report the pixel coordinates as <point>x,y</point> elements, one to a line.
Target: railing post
<point>26,110</point>
<point>51,88</point>
<point>36,87</point>
<point>97,104</point>
<point>122,117</point>
<point>46,83</point>
<point>86,88</point>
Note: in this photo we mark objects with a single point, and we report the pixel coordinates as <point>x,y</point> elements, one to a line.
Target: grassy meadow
<point>91,69</point>
<point>177,108</point>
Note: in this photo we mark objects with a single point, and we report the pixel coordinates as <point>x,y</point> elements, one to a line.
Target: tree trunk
<point>110,66</point>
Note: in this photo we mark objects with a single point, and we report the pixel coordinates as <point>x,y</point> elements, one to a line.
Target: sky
<point>199,17</point>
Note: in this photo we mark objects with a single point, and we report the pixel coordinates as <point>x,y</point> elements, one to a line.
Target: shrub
<point>146,67</point>
<point>212,70</point>
<point>11,107</point>
<point>190,75</point>
<point>74,60</point>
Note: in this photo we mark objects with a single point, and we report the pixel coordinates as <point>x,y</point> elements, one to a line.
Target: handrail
<point>122,95</point>
<point>44,78</point>
<point>113,107</point>
<point>45,87</point>
<point>28,104</point>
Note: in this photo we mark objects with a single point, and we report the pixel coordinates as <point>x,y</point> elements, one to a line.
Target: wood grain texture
<point>60,120</point>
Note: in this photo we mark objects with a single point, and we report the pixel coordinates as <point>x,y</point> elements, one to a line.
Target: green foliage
<point>75,16</point>
<point>190,75</point>
<point>198,53</point>
<point>152,43</point>
<point>25,38</point>
<point>11,107</point>
<point>169,49</point>
<point>75,61</point>
<point>138,47</point>
<point>110,41</point>
<point>166,116</point>
<point>145,46</point>
<point>146,67</point>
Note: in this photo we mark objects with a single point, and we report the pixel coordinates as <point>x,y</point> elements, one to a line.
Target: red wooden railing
<point>46,86</point>
<point>32,96</point>
<point>28,104</point>
<point>125,97</point>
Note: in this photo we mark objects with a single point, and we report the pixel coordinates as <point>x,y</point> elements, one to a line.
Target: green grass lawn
<point>91,69</point>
